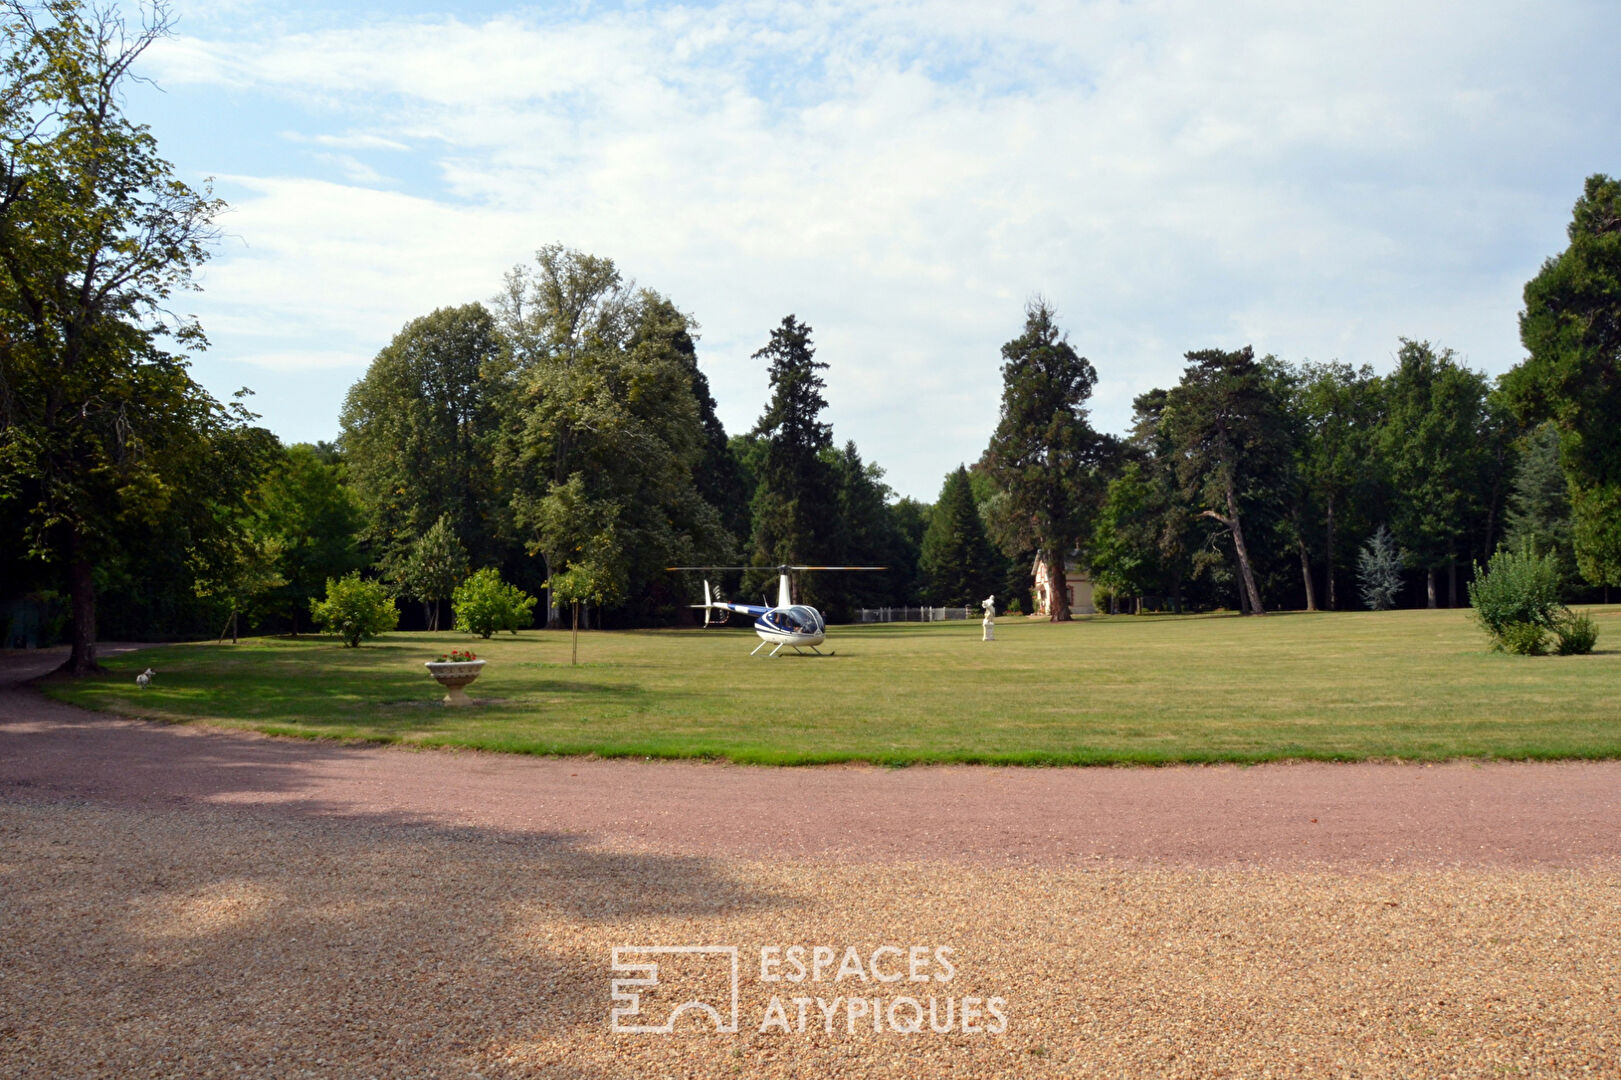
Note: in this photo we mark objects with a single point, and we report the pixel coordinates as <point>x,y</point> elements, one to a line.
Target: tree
<point>1044,453</point>
<point>243,580</point>
<point>605,431</point>
<point>313,519</point>
<point>419,431</point>
<point>101,428</point>
<point>1228,432</point>
<point>1123,545</point>
<point>1340,408</point>
<point>1379,568</point>
<point>586,581</point>
<point>795,499</point>
<point>1571,327</point>
<point>1168,519</point>
<point>867,534</point>
<point>1431,441</point>
<point>959,566</point>
<point>435,565</point>
<point>1539,516</point>
<point>719,475</point>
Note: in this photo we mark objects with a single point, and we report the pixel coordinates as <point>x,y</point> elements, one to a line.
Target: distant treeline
<point>565,433</point>
<point>568,427</point>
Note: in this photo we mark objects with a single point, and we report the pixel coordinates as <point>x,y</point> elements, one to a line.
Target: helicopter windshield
<point>806,619</point>
<point>794,620</point>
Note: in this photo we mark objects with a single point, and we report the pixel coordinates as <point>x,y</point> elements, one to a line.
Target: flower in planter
<point>456,656</point>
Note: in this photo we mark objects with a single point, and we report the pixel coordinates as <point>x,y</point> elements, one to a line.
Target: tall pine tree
<point>959,566</point>
<point>796,497</point>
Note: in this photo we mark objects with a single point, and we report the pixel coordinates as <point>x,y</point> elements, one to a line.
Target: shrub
<point>1515,588</point>
<point>1575,635</point>
<point>1523,639</point>
<point>1378,571</point>
<point>355,608</point>
<point>484,604</point>
<point>1014,607</point>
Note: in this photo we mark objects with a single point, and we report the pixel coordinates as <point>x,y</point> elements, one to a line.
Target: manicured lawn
<point>1410,684</point>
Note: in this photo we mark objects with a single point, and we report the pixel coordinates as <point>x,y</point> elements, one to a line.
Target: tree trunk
<point>233,626</point>
<point>574,654</point>
<point>1251,595</point>
<point>82,583</point>
<point>1333,602</point>
<point>1058,597</point>
<point>1452,583</point>
<point>1305,573</point>
<point>1429,587</point>
<point>553,615</point>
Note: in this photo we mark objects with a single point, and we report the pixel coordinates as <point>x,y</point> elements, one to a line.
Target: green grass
<point>1352,686</point>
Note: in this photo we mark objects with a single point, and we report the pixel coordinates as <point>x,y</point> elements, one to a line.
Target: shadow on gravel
<point>174,901</point>
<point>203,942</point>
<point>151,928</point>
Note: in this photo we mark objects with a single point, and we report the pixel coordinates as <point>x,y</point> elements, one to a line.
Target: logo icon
<point>688,960</point>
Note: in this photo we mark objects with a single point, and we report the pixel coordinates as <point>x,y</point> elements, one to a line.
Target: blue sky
<point>1314,180</point>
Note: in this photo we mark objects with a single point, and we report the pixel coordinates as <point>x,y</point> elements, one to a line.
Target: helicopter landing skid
<point>790,645</point>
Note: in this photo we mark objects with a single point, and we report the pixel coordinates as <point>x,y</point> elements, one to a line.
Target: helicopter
<point>787,625</point>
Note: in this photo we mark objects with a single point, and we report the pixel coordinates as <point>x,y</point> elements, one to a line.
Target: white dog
<point>144,677</point>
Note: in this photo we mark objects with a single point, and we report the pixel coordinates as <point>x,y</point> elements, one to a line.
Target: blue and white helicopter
<point>791,625</point>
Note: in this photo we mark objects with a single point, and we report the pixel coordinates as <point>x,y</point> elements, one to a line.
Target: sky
<point>1314,180</point>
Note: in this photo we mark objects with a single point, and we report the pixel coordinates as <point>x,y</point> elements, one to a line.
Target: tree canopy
<point>1571,327</point>
<point>103,433</point>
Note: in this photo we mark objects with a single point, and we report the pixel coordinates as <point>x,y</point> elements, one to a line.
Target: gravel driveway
<point>178,901</point>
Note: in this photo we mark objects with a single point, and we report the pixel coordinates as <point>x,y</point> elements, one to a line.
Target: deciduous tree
<point>1431,443</point>
<point>419,434</point>
<point>102,431</point>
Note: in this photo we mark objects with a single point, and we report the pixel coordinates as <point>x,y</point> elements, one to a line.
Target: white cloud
<point>352,141</point>
<point>1171,174</point>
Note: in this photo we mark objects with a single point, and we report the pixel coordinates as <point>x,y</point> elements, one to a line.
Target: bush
<point>1575,635</point>
<point>1378,571</point>
<point>1514,589</point>
<point>484,604</point>
<point>355,608</point>
<point>1523,639</point>
<point>1014,607</point>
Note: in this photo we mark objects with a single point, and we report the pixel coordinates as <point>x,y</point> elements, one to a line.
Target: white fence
<point>918,614</point>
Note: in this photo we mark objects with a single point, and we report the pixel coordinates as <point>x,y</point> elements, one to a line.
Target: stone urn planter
<point>454,672</point>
